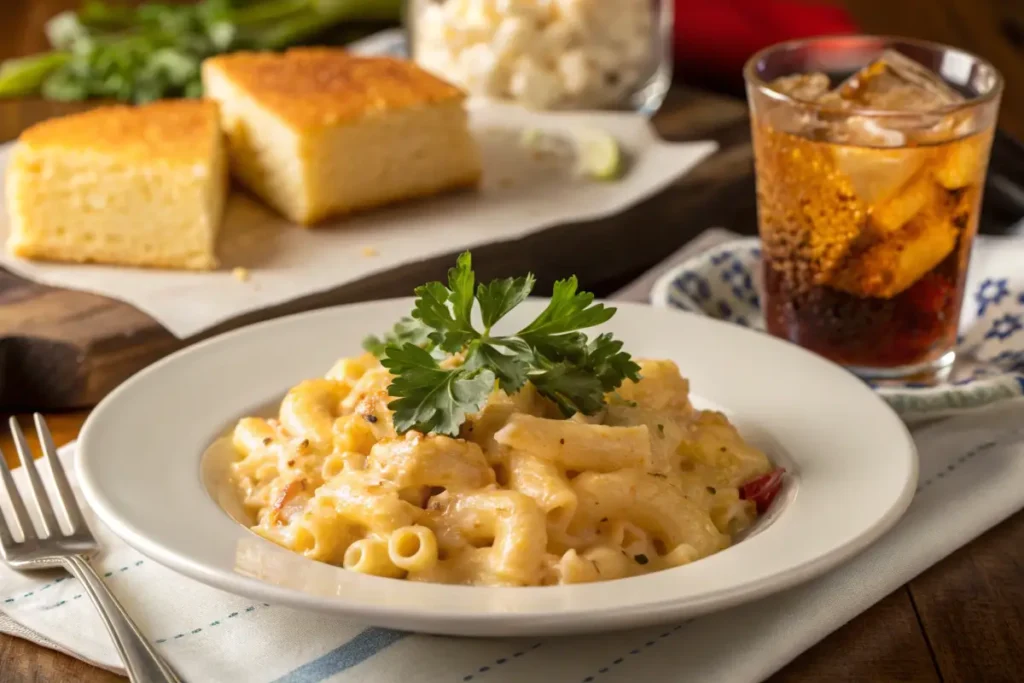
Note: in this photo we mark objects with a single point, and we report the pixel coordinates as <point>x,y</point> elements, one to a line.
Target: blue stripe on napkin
<point>362,647</point>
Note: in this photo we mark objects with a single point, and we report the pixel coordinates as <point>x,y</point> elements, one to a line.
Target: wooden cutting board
<point>63,349</point>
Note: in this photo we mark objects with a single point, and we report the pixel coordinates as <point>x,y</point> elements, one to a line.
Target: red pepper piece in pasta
<point>762,490</point>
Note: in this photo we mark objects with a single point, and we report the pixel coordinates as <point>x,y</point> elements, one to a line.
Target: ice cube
<point>895,82</point>
<point>867,131</point>
<point>890,216</point>
<point>783,116</point>
<point>963,162</point>
<point>805,87</point>
<point>878,174</point>
<point>898,261</point>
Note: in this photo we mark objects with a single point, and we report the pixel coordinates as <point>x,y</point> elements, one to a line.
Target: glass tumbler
<point>870,159</point>
<point>548,54</point>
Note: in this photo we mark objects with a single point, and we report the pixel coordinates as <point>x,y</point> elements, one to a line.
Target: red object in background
<point>716,37</point>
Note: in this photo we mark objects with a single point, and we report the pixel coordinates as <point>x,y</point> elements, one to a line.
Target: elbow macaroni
<point>522,498</point>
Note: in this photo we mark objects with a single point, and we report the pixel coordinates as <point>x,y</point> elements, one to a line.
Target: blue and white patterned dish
<point>723,283</point>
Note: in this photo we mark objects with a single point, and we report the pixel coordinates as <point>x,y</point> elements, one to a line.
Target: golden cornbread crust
<point>169,130</point>
<point>311,88</point>
<point>319,214</point>
<point>75,253</point>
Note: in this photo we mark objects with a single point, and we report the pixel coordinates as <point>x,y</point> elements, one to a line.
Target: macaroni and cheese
<point>523,496</point>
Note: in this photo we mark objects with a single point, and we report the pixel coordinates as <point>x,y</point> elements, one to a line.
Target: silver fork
<point>53,548</point>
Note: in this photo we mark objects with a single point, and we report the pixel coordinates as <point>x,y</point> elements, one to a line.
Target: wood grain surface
<point>962,620</point>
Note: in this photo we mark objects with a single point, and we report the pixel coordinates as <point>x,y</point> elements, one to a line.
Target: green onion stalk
<point>155,50</point>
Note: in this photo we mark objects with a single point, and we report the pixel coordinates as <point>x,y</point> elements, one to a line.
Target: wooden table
<point>962,620</point>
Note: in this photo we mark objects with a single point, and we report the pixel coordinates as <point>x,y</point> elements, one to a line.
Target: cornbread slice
<point>318,132</point>
<point>135,186</point>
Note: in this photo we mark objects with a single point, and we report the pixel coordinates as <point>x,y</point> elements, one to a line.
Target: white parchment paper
<point>523,192</point>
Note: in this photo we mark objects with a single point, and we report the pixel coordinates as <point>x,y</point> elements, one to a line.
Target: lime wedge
<point>531,137</point>
<point>598,155</point>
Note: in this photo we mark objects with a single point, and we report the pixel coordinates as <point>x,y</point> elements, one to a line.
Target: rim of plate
<point>139,469</point>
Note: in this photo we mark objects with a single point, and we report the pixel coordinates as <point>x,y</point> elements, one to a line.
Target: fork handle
<point>141,661</point>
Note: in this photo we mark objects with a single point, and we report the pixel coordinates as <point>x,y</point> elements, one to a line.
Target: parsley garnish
<point>573,371</point>
<point>153,51</point>
<point>407,330</point>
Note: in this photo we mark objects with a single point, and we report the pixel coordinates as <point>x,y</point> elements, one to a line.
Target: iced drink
<point>870,171</point>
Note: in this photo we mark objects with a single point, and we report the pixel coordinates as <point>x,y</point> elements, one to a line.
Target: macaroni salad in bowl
<point>548,54</point>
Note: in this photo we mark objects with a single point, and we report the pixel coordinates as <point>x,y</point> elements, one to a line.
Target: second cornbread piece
<point>318,132</point>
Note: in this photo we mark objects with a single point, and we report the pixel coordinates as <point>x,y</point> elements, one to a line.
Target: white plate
<point>853,465</point>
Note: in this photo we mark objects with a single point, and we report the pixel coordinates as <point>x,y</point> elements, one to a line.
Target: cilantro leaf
<point>429,398</point>
<point>501,296</point>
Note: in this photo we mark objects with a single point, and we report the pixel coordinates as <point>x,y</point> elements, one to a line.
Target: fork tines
<point>65,497</point>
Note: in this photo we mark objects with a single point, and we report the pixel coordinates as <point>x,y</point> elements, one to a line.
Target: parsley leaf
<point>510,370</point>
<point>406,331</point>
<point>568,311</point>
<point>501,296</point>
<point>609,363</point>
<point>573,388</point>
<point>448,309</point>
<point>429,398</point>
<point>461,279</point>
<point>551,352</point>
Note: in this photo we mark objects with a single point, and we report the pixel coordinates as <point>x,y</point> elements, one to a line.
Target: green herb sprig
<point>562,363</point>
<point>139,54</point>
